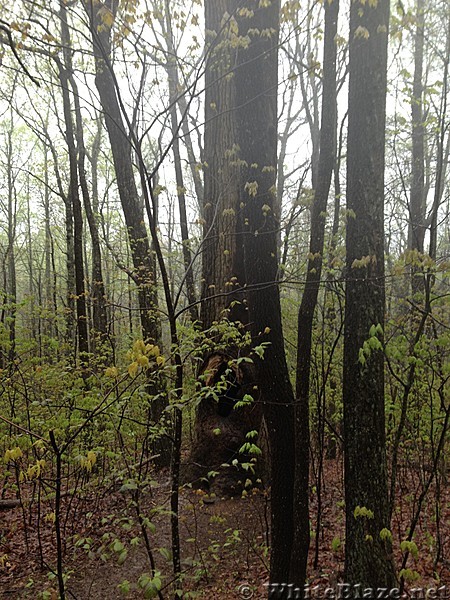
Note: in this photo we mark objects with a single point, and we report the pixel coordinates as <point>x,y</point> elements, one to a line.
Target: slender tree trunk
<point>368,558</point>
<point>337,192</point>
<point>11,289</point>
<point>141,254</point>
<point>187,138</point>
<point>48,328</point>
<point>326,163</point>
<point>34,321</point>
<point>71,333</point>
<point>256,113</point>
<point>172,75</point>
<point>310,103</point>
<point>73,197</point>
<point>98,296</point>
<point>97,267</point>
<point>51,281</point>
<point>121,142</point>
<point>417,225</point>
<point>442,150</point>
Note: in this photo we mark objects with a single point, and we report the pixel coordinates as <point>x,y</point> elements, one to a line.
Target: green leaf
<point>124,587</point>
<point>386,535</point>
<point>410,547</point>
<point>259,351</point>
<point>118,546</point>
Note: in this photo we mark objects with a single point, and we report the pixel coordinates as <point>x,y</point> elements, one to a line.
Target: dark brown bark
<point>223,269</point>
<point>98,298</point>
<point>73,197</point>
<point>123,142</point>
<point>256,115</point>
<point>143,261</point>
<point>326,163</point>
<point>70,320</point>
<point>368,558</point>
<point>96,271</point>
<point>10,503</point>
<point>223,266</point>
<point>210,452</point>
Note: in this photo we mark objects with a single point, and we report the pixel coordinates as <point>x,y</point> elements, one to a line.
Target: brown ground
<point>224,544</point>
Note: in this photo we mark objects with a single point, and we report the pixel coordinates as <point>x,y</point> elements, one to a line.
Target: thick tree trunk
<point>368,558</point>
<point>256,114</point>
<point>223,257</point>
<point>212,450</point>
<point>223,263</point>
<point>326,163</point>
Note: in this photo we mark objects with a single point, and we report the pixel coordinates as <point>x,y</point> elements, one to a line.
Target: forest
<point>224,299</point>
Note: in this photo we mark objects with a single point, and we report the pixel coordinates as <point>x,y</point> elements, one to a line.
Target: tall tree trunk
<point>34,321</point>
<point>49,325</point>
<point>326,163</point>
<point>223,263</point>
<point>141,254</point>
<point>417,225</point>
<point>96,269</point>
<point>308,77</point>
<point>121,141</point>
<point>256,80</point>
<point>187,138</point>
<point>223,259</point>
<point>368,558</point>
<point>11,289</point>
<point>442,149</point>
<point>73,197</point>
<point>97,287</point>
<point>71,332</point>
<point>172,75</point>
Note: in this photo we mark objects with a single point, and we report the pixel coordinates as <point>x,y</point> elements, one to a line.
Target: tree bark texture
<point>223,255</point>
<point>223,259</point>
<point>142,257</point>
<point>367,557</point>
<point>256,112</point>
<point>417,207</point>
<point>210,451</point>
<point>73,197</point>
<point>326,162</point>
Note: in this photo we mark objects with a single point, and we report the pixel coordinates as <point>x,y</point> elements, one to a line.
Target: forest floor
<point>224,544</point>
